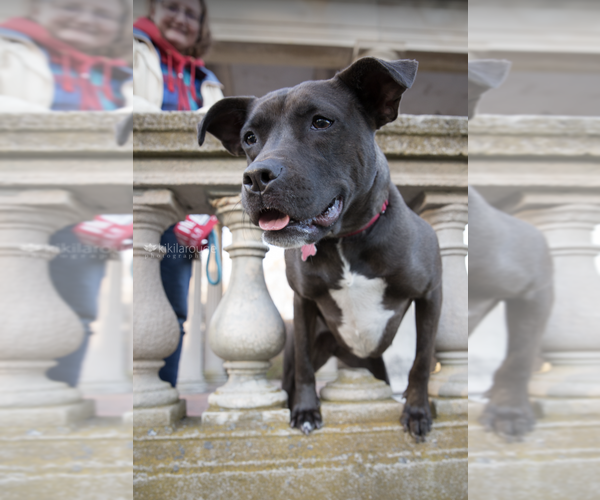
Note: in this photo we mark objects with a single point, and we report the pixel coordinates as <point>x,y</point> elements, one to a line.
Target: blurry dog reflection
<point>509,261</point>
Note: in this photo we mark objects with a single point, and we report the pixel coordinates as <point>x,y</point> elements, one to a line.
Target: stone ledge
<point>558,460</point>
<point>174,135</point>
<point>450,407</point>
<point>541,136</point>
<point>248,419</point>
<point>45,416</point>
<point>89,460</point>
<point>353,461</point>
<point>387,410</point>
<point>167,415</point>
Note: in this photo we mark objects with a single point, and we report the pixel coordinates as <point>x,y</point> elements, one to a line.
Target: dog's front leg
<point>306,415</point>
<point>416,416</point>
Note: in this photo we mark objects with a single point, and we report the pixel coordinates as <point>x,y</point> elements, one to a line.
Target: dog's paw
<point>509,421</point>
<point>416,420</point>
<point>306,420</point>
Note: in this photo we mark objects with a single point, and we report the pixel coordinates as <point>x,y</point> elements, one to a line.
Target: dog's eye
<point>250,138</point>
<point>320,123</point>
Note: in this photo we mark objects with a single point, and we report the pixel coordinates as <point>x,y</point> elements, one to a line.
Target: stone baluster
<point>191,365</point>
<point>155,327</point>
<point>449,221</point>
<point>36,325</point>
<point>104,369</point>
<point>213,364</point>
<point>571,342</point>
<point>246,329</point>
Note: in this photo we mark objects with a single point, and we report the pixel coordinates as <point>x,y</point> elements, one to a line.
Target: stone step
<point>90,460</point>
<point>374,460</point>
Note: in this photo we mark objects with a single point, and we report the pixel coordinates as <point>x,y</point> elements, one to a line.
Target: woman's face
<point>178,21</point>
<point>88,25</point>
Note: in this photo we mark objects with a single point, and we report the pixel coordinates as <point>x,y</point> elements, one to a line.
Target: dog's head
<point>314,168</point>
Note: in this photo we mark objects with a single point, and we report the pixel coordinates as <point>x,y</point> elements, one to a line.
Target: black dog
<point>509,261</point>
<point>356,256</point>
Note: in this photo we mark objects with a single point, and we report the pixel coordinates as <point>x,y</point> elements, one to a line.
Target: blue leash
<point>212,241</point>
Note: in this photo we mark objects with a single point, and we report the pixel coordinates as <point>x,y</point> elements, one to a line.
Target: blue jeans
<point>76,274</point>
<point>175,271</point>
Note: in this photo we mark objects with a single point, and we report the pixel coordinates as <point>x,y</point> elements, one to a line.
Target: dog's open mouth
<point>274,220</point>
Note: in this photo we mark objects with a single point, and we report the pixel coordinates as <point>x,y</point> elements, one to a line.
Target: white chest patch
<point>363,316</point>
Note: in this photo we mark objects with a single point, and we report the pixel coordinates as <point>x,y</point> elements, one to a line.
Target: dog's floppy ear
<point>379,85</point>
<point>485,74</point>
<point>224,120</point>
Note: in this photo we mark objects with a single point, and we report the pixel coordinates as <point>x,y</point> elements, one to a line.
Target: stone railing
<point>545,170</point>
<point>57,169</point>
<point>173,176</point>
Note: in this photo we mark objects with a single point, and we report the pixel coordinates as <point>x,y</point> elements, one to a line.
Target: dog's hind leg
<point>478,309</point>
<point>508,411</point>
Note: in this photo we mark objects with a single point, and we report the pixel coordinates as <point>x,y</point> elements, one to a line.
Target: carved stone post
<point>155,327</point>
<point>104,369</point>
<point>246,329</point>
<point>191,365</point>
<point>37,326</point>
<point>572,341</point>
<point>213,364</point>
<point>452,338</point>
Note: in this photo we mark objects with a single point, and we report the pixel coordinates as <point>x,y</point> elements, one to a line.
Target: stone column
<point>449,221</point>
<point>191,365</point>
<point>572,339</point>
<point>37,326</point>
<point>246,329</point>
<point>155,326</point>
<point>213,364</point>
<point>104,369</point>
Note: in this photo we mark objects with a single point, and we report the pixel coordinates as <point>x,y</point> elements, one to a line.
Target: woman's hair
<point>204,41</point>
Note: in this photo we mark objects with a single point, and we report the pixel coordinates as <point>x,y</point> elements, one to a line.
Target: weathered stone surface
<point>355,384</point>
<point>349,462</point>
<point>91,461</point>
<point>500,135</point>
<point>70,150</point>
<point>558,460</point>
<point>410,135</point>
<point>158,415</point>
<point>47,415</point>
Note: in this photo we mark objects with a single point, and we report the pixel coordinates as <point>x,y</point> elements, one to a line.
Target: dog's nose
<point>260,174</point>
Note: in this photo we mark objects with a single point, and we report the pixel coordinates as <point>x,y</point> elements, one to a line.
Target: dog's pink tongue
<point>273,221</point>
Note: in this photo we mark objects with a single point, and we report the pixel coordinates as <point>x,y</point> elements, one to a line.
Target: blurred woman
<point>169,73</point>
<point>64,56</point>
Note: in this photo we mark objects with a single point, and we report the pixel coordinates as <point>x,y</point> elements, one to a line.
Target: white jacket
<point>148,82</point>
<point>26,81</point>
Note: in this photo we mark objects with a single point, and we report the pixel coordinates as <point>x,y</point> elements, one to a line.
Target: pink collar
<point>310,250</point>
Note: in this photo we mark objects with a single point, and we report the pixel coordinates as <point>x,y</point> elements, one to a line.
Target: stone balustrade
<point>43,181</point>
<point>56,169</point>
<point>544,170</point>
<point>427,160</point>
